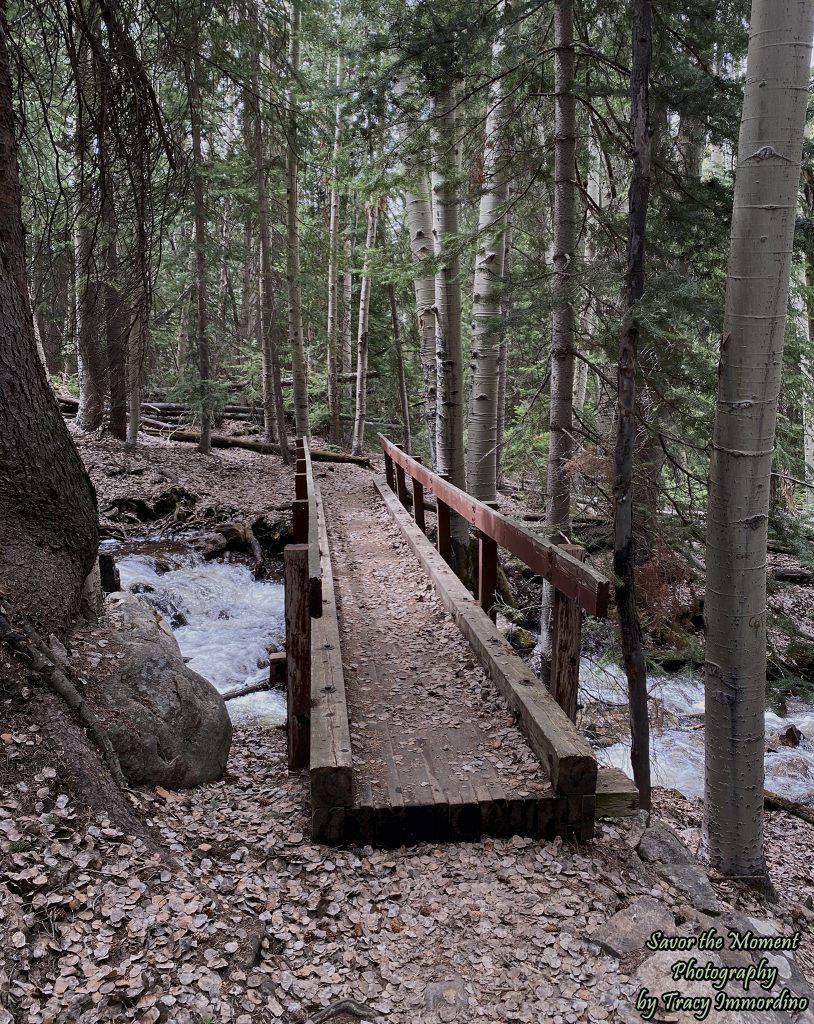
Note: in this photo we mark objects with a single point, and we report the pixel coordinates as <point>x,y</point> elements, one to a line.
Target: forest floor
<point>213,905</point>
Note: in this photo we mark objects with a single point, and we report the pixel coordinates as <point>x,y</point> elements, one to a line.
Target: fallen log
<point>220,441</point>
<point>275,681</point>
<point>773,802</point>
<point>323,455</point>
<point>803,576</point>
<point>261,447</point>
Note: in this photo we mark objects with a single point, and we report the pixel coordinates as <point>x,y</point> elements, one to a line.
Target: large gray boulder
<point>168,725</point>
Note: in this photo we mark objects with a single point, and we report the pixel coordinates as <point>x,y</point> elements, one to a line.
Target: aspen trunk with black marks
<point>358,441</point>
<point>448,352</point>
<point>116,325</point>
<point>561,443</point>
<point>295,328</point>
<point>505,312</point>
<point>487,325</point>
<point>48,515</point>
<point>199,217</point>
<point>90,350</point>
<point>401,374</point>
<point>347,287</point>
<point>805,362</point>
<point>333,252</point>
<point>418,205</point>
<point>749,378</point>
<point>273,404</point>
<point>624,553</point>
<point>136,352</point>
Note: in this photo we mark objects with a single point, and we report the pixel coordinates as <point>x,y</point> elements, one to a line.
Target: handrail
<point>567,574</point>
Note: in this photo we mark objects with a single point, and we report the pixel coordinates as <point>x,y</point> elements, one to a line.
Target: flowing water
<point>677,747</point>
<point>223,619</point>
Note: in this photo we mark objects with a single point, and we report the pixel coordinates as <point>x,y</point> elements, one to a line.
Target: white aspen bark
<point>801,313</point>
<point>295,329</point>
<point>448,355</point>
<point>749,377</point>
<point>333,252</point>
<point>347,308</point>
<point>558,490</point>
<point>418,204</point>
<point>362,337</point>
<point>481,466</point>
<point>560,441</point>
<point>136,350</point>
<point>503,358</point>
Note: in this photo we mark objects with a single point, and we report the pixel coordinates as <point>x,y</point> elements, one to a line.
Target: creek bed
<point>223,618</point>
<point>677,733</point>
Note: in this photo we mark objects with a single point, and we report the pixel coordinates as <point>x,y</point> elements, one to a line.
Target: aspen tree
<point>487,320</point>
<point>295,328</point>
<point>749,377</point>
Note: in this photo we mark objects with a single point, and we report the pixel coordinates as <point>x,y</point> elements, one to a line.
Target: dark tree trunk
<point>624,554</point>
<point>48,518</point>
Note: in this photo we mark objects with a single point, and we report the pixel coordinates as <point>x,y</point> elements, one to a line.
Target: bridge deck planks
<point>420,775</point>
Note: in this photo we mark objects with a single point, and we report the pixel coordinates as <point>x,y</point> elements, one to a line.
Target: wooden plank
<point>566,646</point>
<point>487,575</point>
<point>418,503</point>
<point>298,655</point>
<point>580,582</point>
<point>550,733</point>
<point>328,825</point>
<point>331,770</point>
<point>616,794</point>
<point>314,557</point>
<point>299,520</point>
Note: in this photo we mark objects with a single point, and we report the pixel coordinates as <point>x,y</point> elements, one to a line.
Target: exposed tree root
<point>27,645</point>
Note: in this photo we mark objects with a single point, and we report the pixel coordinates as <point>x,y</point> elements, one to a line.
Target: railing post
<point>298,655</point>
<point>487,571</point>
<point>418,502</point>
<point>566,644</point>
<point>388,471</point>
<point>401,483</point>
<point>299,520</point>
<point>444,544</point>
<point>300,486</point>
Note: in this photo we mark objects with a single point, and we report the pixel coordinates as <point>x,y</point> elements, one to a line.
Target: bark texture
<point>48,515</point>
<point>333,259</point>
<point>487,321</point>
<point>358,442</point>
<point>624,552</point>
<point>448,354</point>
<point>295,329</point>
<point>749,377</point>
<point>418,203</point>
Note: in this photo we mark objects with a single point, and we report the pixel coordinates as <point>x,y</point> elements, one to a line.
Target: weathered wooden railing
<point>577,587</point>
<point>318,730</point>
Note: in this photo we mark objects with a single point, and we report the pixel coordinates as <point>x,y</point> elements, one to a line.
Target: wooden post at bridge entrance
<point>298,655</point>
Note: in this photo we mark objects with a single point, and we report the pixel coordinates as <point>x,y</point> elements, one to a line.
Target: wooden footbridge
<point>411,712</point>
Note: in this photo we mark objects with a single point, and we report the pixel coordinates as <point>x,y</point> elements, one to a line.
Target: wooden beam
<point>487,575</point>
<point>580,582</point>
<point>331,769</point>
<point>418,503</point>
<point>550,733</point>
<point>566,645</point>
<point>616,794</point>
<point>298,651</point>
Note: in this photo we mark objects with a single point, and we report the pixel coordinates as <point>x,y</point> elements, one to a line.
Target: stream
<point>677,734</point>
<point>224,620</point>
<point>222,617</point>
